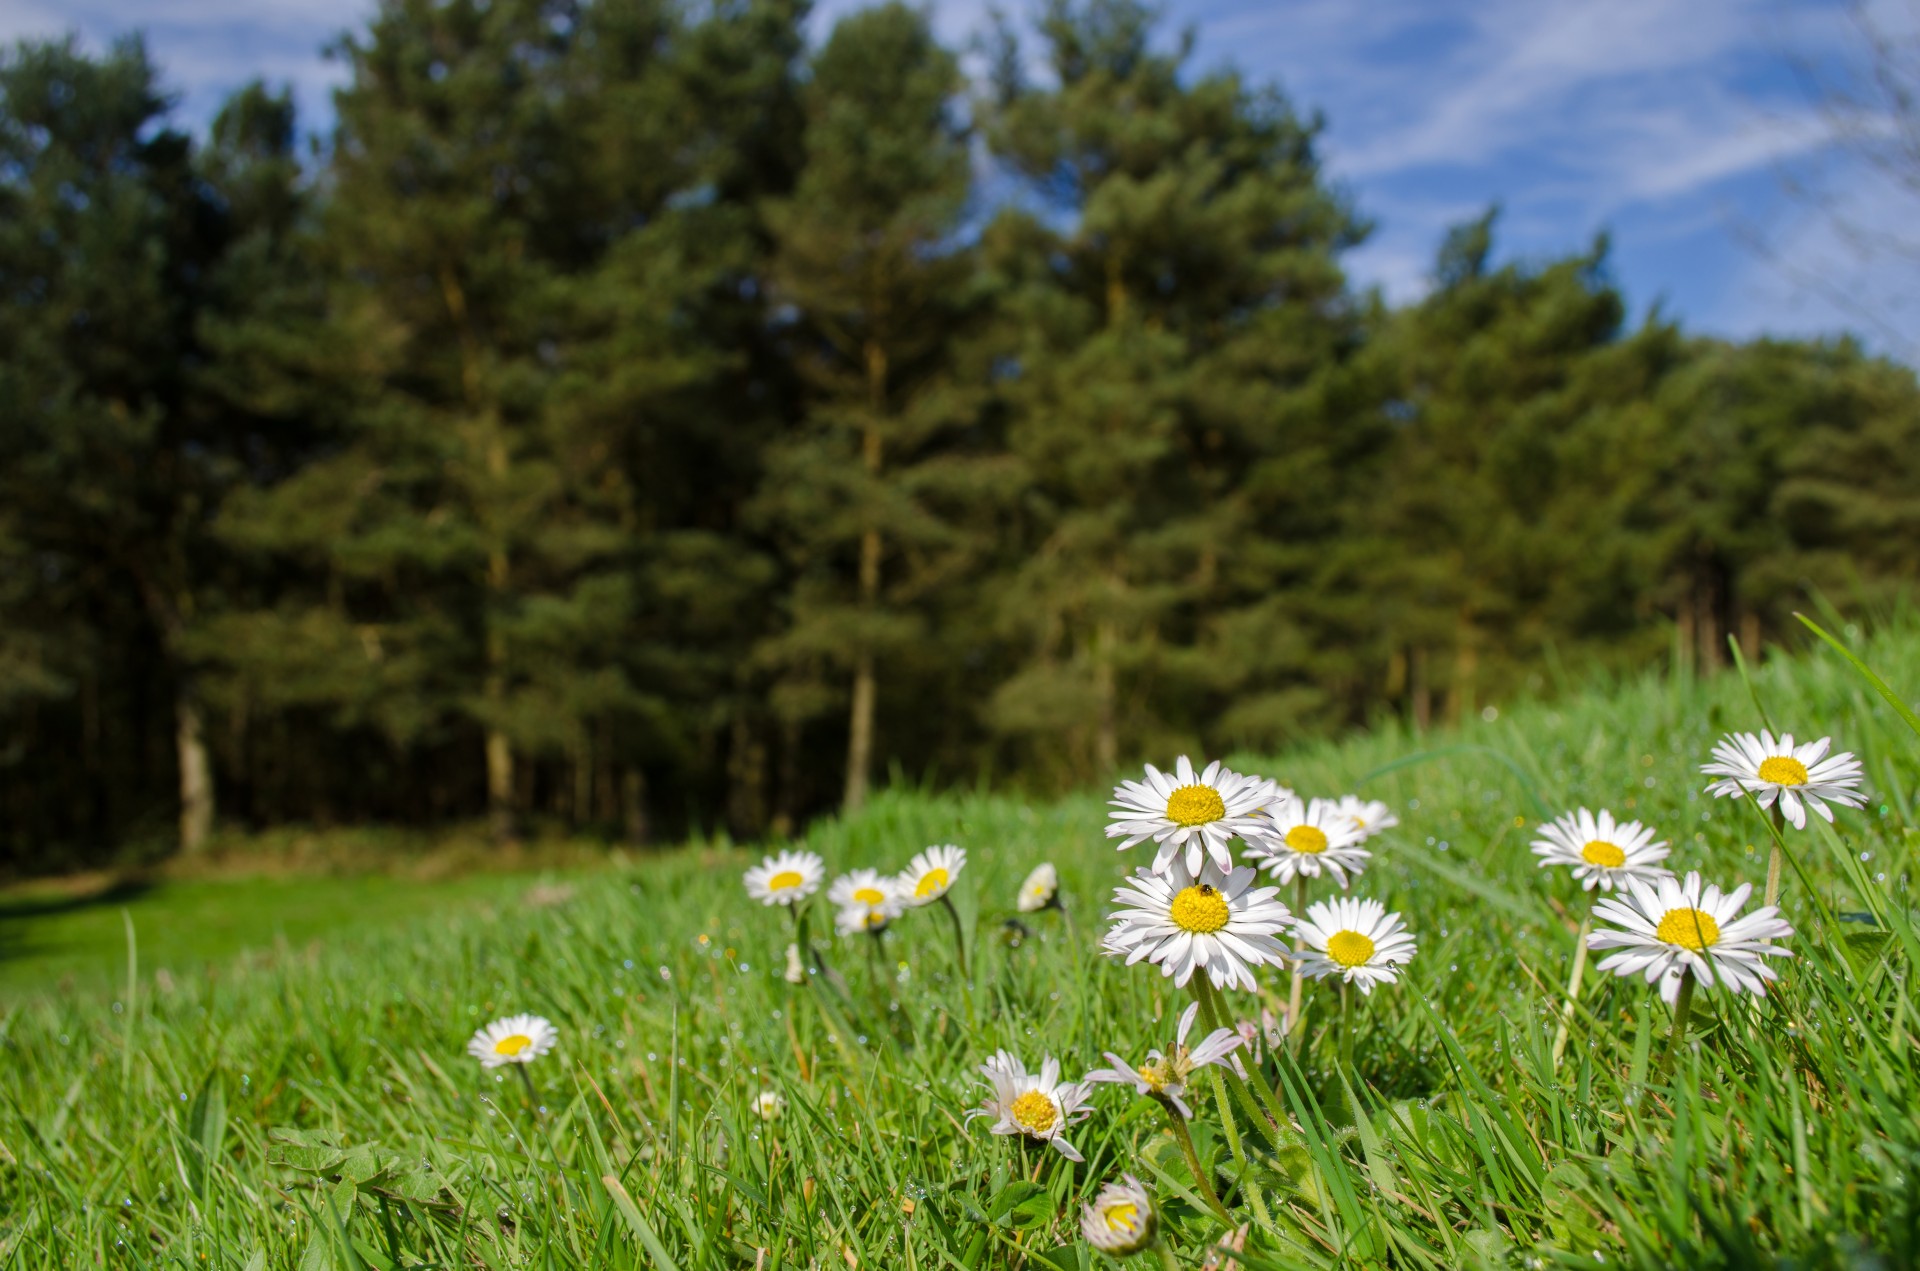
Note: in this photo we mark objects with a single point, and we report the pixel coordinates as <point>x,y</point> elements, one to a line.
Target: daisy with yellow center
<point>930,875</point>
<point>1774,770</point>
<point>1037,1105</point>
<point>861,917</point>
<point>1121,1219</point>
<point>1040,891</point>
<point>1668,930</point>
<point>1182,921</point>
<point>770,1105</point>
<point>786,878</point>
<point>861,887</point>
<point>1604,853</point>
<point>1303,839</point>
<point>1198,814</point>
<point>1164,1077</point>
<point>1369,816</point>
<point>517,1039</point>
<point>1356,940</point>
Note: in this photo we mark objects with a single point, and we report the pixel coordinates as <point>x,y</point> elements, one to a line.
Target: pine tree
<point>865,254</point>
<point>1163,343</point>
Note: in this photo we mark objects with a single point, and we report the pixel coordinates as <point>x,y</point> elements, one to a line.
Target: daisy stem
<point>959,942</point>
<point>1774,857</point>
<point>1573,989</point>
<point>1682,1007</point>
<point>533,1096</point>
<point>1346,1027</point>
<point>1167,1261</point>
<point>1213,1015</point>
<point>1297,994</point>
<point>1200,1178</point>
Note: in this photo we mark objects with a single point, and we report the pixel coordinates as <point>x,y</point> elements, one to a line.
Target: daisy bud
<point>796,972</point>
<point>1121,1219</point>
<point>1041,889</point>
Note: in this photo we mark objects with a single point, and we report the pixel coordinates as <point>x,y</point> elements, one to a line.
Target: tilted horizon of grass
<point>320,1112</point>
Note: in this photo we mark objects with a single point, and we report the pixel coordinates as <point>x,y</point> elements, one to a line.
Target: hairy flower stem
<point>1167,1261</point>
<point>959,942</point>
<point>1346,1028</point>
<point>1213,1015</point>
<point>1297,993</point>
<point>1200,1179</point>
<point>1677,1037</point>
<point>1775,857</point>
<point>1573,989</point>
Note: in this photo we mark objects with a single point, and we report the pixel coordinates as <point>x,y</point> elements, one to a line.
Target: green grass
<point>319,1112</point>
<point>66,940</point>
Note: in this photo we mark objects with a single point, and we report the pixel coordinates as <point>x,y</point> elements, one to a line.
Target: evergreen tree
<point>863,496</point>
<point>1162,342</point>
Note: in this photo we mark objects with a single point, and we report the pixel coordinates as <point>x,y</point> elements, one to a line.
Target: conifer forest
<point>634,418</point>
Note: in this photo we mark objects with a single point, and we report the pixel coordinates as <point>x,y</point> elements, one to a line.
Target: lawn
<point>319,1111</point>
<point>65,938</point>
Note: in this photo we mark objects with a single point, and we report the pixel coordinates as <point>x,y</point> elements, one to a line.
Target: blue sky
<point>1672,124</point>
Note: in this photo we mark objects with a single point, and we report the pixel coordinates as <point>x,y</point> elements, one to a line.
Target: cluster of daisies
<point>1194,907</point>
<point>1668,929</point>
<point>864,901</point>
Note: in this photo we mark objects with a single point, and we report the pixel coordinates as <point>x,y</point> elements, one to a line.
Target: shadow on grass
<point>22,936</point>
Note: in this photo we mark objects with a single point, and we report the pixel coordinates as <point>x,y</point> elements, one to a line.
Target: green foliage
<point>317,1110</point>
<point>637,420</point>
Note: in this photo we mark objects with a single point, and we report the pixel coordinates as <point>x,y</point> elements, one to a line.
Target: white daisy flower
<point>1307,839</point>
<point>1121,1219</point>
<point>1357,940</point>
<point>928,875</point>
<point>1038,1105</point>
<point>796,972</point>
<point>1040,890</point>
<point>1182,921</point>
<point>517,1039</point>
<point>1775,769</point>
<point>861,918</point>
<point>1369,816</point>
<point>770,1105</point>
<point>862,887</point>
<point>1670,927</point>
<point>785,879</point>
<point>1164,1077</point>
<point>1200,813</point>
<point>1604,853</point>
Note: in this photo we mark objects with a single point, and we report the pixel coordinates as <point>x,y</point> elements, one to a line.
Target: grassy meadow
<point>319,1111</point>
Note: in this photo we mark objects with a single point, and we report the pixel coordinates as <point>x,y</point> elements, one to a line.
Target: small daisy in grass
<point>1041,890</point>
<point>785,879</point>
<point>1183,920</point>
<point>1357,940</point>
<point>517,1039</point>
<point>1369,816</point>
<point>1164,1077</point>
<point>861,918</point>
<point>1305,839</point>
<point>1038,1105</point>
<point>1604,853</point>
<point>1773,769</point>
<point>1201,813</point>
<point>929,875</point>
<point>1120,1220</point>
<point>862,887</point>
<point>770,1105</point>
<point>1669,927</point>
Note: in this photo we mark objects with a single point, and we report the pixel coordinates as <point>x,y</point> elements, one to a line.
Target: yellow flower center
<point>875,918</point>
<point>1603,854</point>
<point>1310,839</point>
<point>1151,1075</point>
<point>1200,909</point>
<point>1688,928</point>
<point>870,896</point>
<point>1034,1112</point>
<point>512,1045</point>
<point>930,882</point>
<point>1124,1216</point>
<point>1195,805</point>
<point>785,879</point>
<point>1349,948</point>
<point>1783,770</point>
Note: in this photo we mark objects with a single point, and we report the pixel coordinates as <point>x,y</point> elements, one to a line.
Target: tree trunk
<point>196,773</point>
<point>1106,738</point>
<point>860,715</point>
<point>1421,693</point>
<point>500,818</point>
<point>633,805</point>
